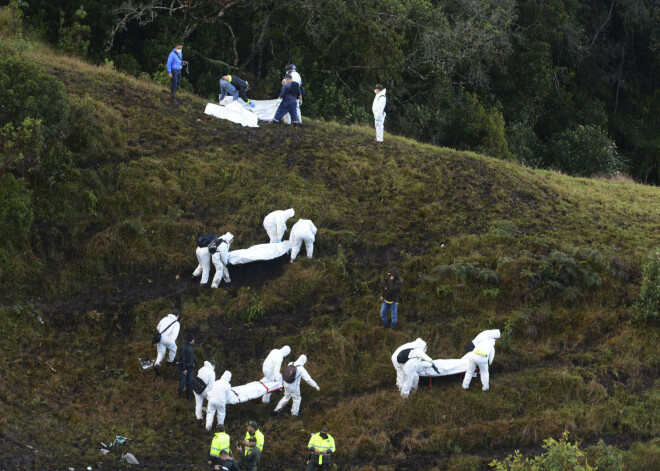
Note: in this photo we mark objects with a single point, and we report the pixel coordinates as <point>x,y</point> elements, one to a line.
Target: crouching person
<point>302,231</point>
<point>481,357</point>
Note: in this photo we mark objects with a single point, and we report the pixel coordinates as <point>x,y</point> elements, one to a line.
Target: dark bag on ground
<point>404,355</point>
<point>289,374</point>
<point>205,240</point>
<point>198,385</point>
<point>469,347</point>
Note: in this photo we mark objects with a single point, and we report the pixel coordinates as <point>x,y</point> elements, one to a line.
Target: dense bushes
<point>647,307</point>
<point>34,119</point>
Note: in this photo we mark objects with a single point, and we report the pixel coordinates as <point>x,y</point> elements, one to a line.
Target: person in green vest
<point>322,446</point>
<point>221,442</point>
<point>254,445</point>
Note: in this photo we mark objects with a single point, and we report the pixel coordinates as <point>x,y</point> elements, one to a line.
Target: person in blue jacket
<point>174,65</point>
<point>288,100</point>
<point>234,86</point>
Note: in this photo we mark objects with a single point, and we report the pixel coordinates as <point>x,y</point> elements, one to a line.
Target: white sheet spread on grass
<point>234,112</point>
<point>258,253</point>
<point>253,390</point>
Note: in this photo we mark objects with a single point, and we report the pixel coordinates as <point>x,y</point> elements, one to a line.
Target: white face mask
<point>179,51</point>
<point>376,92</point>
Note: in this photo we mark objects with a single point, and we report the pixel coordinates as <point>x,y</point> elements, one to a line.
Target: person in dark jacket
<point>187,366</point>
<point>288,101</point>
<point>234,86</point>
<point>226,463</point>
<point>390,298</point>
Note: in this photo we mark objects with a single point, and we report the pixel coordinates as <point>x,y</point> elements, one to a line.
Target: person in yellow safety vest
<point>254,445</point>
<point>221,442</point>
<point>322,446</point>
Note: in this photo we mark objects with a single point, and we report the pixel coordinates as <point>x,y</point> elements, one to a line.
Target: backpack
<point>403,356</point>
<point>215,244</point>
<point>198,385</point>
<point>387,108</point>
<point>290,373</point>
<point>205,240</point>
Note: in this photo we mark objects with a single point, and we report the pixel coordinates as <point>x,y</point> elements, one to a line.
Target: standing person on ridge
<point>390,298</point>
<point>254,445</point>
<point>295,77</point>
<point>378,108</point>
<point>187,366</point>
<point>168,328</point>
<point>175,63</point>
<point>288,100</point>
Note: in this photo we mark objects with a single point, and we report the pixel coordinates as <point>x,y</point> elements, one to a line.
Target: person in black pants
<point>187,366</point>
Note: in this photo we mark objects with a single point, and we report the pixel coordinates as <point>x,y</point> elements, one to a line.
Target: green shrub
<point>94,130</point>
<point>73,34</point>
<point>647,306</point>
<point>558,456</point>
<point>16,209</point>
<point>584,151</point>
<point>33,120</point>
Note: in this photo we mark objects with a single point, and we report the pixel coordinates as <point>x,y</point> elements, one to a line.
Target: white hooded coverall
<point>272,366</point>
<point>275,224</point>
<point>486,335</point>
<point>204,264</point>
<point>167,338</point>
<point>220,260</point>
<point>378,108</point>
<point>302,231</point>
<point>207,374</point>
<point>218,398</point>
<point>480,357</point>
<point>292,390</point>
<point>407,378</point>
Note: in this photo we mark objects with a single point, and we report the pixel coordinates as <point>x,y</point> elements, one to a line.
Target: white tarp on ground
<point>258,253</point>
<point>264,109</point>
<point>253,390</point>
<point>234,112</point>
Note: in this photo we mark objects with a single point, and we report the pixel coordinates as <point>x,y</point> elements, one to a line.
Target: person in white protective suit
<point>480,357</point>
<point>272,366</point>
<point>486,335</point>
<point>292,390</point>
<point>302,231</point>
<point>168,328</point>
<point>378,108</point>
<point>203,264</point>
<point>275,224</point>
<point>220,260</point>
<point>406,360</point>
<point>218,398</point>
<point>207,374</point>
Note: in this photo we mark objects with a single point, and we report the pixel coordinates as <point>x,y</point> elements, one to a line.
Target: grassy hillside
<point>554,262</point>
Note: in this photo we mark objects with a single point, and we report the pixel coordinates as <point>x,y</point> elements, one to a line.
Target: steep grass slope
<point>552,261</point>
